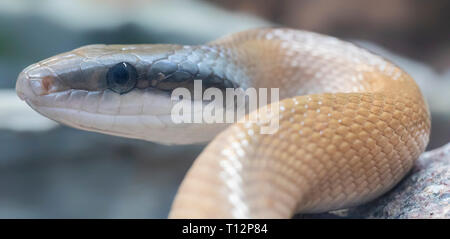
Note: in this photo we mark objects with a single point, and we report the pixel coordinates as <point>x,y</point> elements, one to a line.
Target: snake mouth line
<point>30,88</point>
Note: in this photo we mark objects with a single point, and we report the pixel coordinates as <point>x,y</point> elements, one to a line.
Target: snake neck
<point>212,64</point>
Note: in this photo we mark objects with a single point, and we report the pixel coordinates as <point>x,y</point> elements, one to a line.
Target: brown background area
<point>415,28</point>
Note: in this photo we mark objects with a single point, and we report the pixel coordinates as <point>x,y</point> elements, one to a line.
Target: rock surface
<point>424,193</point>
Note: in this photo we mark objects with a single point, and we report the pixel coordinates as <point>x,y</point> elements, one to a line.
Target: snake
<point>351,123</point>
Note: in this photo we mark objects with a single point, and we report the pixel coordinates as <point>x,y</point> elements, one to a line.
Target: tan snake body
<point>351,123</point>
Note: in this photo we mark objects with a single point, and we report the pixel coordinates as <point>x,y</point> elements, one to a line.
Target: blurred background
<point>52,171</point>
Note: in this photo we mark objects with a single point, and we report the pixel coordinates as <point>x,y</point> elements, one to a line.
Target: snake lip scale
<point>351,123</point>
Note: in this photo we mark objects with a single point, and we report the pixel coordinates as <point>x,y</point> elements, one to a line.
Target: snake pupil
<point>120,74</point>
<point>121,78</point>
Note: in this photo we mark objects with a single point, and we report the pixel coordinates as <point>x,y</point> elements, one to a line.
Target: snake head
<point>122,90</point>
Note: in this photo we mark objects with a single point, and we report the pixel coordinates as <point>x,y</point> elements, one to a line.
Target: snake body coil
<point>351,124</point>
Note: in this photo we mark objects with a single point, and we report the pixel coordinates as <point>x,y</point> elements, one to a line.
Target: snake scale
<point>351,124</point>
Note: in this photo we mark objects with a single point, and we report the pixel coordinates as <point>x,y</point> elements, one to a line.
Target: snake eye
<point>121,78</point>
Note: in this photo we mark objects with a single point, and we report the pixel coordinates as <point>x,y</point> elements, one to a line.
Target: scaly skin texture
<point>333,150</point>
<point>351,126</point>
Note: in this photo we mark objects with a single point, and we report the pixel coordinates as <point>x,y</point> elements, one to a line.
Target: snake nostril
<point>29,87</point>
<point>42,86</point>
<point>47,83</point>
<point>35,80</point>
